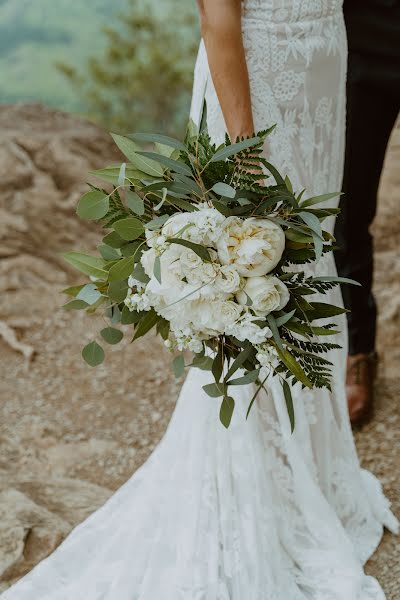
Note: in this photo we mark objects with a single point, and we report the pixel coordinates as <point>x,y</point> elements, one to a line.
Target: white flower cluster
<point>230,294</point>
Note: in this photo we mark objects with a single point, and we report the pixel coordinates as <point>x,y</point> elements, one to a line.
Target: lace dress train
<point>253,512</point>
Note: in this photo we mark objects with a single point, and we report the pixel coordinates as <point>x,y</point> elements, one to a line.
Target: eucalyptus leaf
<point>170,163</point>
<point>117,291</point>
<point>93,354</point>
<point>214,390</point>
<point>337,280</point>
<point>111,335</point>
<point>93,206</point>
<point>234,149</point>
<point>156,138</point>
<point>108,252</point>
<point>226,411</point>
<point>157,269</point>
<point>250,377</point>
<point>113,240</point>
<point>73,291</point>
<point>157,223</point>
<point>129,229</point>
<point>122,269</point>
<point>293,366</point>
<point>135,202</point>
<point>90,265</point>
<point>247,353</point>
<point>223,189</point>
<point>146,324</point>
<point>197,248</point>
<point>178,366</point>
<point>319,199</point>
<point>89,294</point>
<point>275,332</point>
<point>129,317</point>
<point>284,318</point>
<point>142,163</point>
<point>76,305</point>
<point>289,403</point>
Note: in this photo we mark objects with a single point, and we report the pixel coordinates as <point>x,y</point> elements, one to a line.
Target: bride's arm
<point>222,34</point>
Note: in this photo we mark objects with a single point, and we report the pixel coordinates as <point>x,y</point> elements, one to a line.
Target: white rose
<point>227,280</point>
<point>189,261</point>
<point>177,223</point>
<point>266,294</point>
<point>213,317</point>
<point>254,246</point>
<point>147,259</point>
<point>247,329</point>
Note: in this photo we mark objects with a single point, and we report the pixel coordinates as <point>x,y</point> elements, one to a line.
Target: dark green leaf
<point>226,411</point>
<point>234,149</point>
<point>117,291</point>
<point>113,240</point>
<point>129,317</point>
<point>73,291</point>
<point>107,252</point>
<point>170,163</point>
<point>294,367</point>
<point>223,189</point>
<point>156,138</point>
<point>90,265</point>
<point>147,323</point>
<point>93,354</point>
<point>202,362</point>
<point>178,366</point>
<point>337,280</point>
<point>129,229</point>
<point>122,269</point>
<point>139,273</point>
<point>218,363</point>
<point>75,305</point>
<point>131,249</point>
<point>241,358</point>
<point>214,390</point>
<point>157,269</point>
<point>197,248</point>
<point>135,202</point>
<point>319,199</point>
<point>93,206</point>
<point>323,310</point>
<point>275,332</point>
<point>289,403</point>
<point>284,318</point>
<point>111,335</point>
<point>250,377</point>
<point>142,163</point>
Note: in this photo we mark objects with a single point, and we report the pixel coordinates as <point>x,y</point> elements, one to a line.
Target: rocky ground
<point>69,435</point>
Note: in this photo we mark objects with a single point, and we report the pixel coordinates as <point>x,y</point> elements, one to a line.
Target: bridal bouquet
<point>201,243</point>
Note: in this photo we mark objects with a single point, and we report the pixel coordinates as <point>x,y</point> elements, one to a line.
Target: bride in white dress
<point>252,512</point>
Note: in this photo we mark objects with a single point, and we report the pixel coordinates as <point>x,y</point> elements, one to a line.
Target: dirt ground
<point>70,435</point>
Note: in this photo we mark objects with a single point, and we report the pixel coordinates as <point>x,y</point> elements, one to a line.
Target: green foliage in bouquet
<point>165,212</point>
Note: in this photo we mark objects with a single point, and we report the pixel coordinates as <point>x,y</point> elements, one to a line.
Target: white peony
<point>266,294</point>
<point>227,280</point>
<point>247,329</point>
<point>253,246</point>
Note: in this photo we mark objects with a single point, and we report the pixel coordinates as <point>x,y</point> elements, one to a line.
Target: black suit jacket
<point>373,28</point>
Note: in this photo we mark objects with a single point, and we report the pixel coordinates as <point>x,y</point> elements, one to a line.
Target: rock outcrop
<point>70,435</point>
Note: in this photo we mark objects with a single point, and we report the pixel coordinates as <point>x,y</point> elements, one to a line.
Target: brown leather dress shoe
<point>361,370</point>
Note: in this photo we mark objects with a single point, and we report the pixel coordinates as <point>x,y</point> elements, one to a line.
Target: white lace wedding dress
<point>253,512</point>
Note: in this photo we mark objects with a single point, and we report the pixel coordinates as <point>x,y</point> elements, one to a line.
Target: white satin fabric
<point>253,512</point>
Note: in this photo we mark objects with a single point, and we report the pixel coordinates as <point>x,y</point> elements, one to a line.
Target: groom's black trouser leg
<point>373,102</point>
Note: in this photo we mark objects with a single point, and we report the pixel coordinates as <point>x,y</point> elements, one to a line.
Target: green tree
<point>143,80</point>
